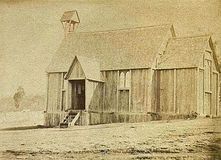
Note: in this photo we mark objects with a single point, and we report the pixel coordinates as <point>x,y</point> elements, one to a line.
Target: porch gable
<point>84,68</point>
<point>75,71</point>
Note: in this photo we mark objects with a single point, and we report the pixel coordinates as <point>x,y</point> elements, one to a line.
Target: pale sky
<point>30,31</point>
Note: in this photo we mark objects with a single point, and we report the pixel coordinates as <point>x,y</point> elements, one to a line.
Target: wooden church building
<point>129,75</point>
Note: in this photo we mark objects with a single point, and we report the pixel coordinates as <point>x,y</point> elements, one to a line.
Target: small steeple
<point>70,21</point>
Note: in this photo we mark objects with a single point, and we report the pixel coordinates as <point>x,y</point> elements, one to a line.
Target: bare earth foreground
<point>180,139</point>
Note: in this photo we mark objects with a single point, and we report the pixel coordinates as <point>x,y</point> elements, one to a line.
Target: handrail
<point>75,119</point>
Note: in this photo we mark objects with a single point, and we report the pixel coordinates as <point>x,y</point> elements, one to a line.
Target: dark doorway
<point>78,94</point>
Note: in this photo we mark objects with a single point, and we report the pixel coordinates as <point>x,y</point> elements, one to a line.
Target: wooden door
<point>78,94</point>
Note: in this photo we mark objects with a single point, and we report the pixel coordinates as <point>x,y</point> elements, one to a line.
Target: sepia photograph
<point>110,79</point>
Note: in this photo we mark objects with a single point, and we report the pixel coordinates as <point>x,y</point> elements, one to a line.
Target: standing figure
<point>18,96</point>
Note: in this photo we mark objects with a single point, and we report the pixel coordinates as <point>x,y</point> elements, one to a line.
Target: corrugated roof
<point>116,49</point>
<point>184,52</point>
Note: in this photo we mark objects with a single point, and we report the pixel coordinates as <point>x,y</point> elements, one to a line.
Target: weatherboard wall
<point>94,96</point>
<point>135,98</point>
<point>175,91</point>
<point>54,92</point>
<point>208,85</point>
<point>140,91</point>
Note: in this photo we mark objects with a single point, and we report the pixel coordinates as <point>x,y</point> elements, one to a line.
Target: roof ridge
<point>124,29</point>
<point>196,36</point>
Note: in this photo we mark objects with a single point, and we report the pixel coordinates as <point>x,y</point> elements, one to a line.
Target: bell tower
<point>70,21</point>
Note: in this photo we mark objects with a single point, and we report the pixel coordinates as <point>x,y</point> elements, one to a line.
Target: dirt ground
<point>178,139</point>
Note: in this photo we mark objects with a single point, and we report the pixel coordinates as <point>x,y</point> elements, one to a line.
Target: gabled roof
<point>184,52</point>
<point>91,68</point>
<point>115,49</point>
<point>70,15</point>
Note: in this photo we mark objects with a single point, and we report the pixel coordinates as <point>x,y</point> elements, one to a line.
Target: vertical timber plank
<point>174,91</point>
<point>47,92</point>
<point>148,89</point>
<point>145,91</point>
<point>204,84</point>
<point>86,97</point>
<point>218,92</point>
<point>158,91</point>
<point>117,91</point>
<point>129,90</point>
<point>69,95</point>
<point>61,88</point>
<point>104,75</point>
<point>197,90</point>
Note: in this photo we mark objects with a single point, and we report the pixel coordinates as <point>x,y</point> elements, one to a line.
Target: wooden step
<point>70,120</point>
<point>63,125</point>
<point>74,121</point>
